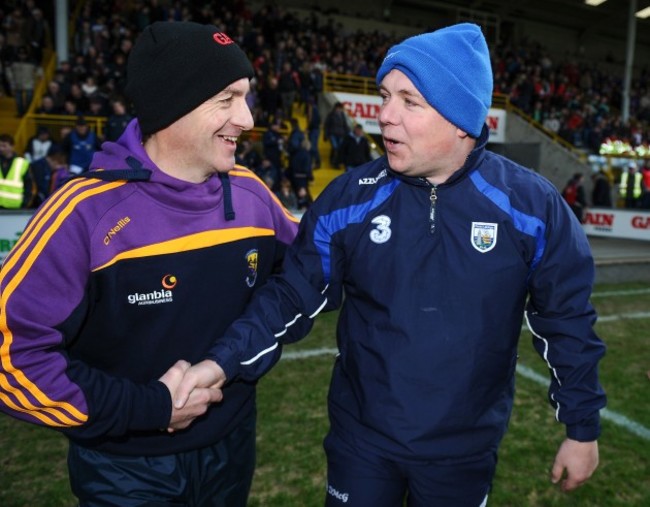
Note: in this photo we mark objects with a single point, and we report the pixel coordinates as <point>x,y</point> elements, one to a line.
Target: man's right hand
<point>196,402</point>
<point>206,374</point>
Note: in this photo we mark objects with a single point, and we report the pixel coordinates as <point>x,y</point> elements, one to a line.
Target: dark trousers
<point>334,152</point>
<point>315,153</point>
<point>357,478</point>
<point>216,476</point>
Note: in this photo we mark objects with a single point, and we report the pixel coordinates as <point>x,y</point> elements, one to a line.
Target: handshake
<point>193,389</point>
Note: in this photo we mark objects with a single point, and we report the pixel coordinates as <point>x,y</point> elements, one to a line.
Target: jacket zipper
<point>432,211</point>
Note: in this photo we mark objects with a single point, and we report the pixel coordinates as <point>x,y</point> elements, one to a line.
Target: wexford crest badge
<point>251,261</point>
<point>484,236</point>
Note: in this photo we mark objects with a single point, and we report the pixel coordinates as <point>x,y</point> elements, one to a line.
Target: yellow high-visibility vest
<point>12,186</point>
<point>622,188</point>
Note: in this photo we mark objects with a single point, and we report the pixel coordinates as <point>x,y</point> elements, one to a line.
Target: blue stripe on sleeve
<point>328,225</point>
<point>528,224</point>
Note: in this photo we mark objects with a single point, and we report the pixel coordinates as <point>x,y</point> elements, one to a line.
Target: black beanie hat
<point>176,66</point>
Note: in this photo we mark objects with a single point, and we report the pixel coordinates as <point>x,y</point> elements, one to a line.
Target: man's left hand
<point>578,460</point>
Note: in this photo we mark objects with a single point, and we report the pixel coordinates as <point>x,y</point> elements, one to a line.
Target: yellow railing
<point>60,124</point>
<point>349,83</point>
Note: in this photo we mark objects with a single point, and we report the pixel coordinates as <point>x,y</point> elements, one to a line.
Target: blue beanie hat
<point>451,69</point>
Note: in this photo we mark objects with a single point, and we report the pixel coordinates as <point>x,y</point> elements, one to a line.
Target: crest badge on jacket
<point>484,236</point>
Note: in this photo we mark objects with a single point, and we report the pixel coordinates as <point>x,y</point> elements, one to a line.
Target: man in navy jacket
<point>435,254</point>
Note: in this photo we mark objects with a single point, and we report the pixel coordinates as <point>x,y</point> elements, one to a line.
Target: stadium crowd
<point>575,99</point>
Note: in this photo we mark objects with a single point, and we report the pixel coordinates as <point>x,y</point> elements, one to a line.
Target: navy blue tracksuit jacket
<point>434,283</point>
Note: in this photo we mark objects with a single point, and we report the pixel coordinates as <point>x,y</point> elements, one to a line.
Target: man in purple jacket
<point>128,274</point>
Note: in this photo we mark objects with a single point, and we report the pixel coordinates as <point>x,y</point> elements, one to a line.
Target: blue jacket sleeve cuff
<point>586,431</point>
<point>224,357</point>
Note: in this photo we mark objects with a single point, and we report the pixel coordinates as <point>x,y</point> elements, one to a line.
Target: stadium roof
<point>610,19</point>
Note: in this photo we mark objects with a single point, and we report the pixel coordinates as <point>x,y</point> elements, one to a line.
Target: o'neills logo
<point>121,224</point>
<point>222,39</point>
<point>156,297</point>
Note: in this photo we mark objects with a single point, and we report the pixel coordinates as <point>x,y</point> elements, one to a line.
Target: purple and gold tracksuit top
<point>119,275</point>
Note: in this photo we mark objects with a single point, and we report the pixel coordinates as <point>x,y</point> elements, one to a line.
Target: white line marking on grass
<point>624,316</point>
<point>616,418</point>
<point>616,293</point>
<point>302,354</point>
<point>613,318</point>
<point>524,371</point>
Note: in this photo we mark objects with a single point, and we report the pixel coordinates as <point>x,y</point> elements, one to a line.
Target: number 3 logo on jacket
<point>382,232</point>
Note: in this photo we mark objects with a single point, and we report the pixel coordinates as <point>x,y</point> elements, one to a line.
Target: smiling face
<point>418,140</point>
<point>203,142</point>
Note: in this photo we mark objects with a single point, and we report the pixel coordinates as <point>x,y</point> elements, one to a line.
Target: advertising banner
<point>617,223</point>
<point>12,226</point>
<point>364,110</point>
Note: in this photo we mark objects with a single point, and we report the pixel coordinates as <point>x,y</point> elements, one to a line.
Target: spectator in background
<point>574,195</point>
<point>63,76</point>
<point>39,144</point>
<point>56,91</point>
<point>16,182</point>
<point>80,145</point>
<point>47,106</point>
<point>313,130</point>
<point>335,129</point>
<point>355,149</point>
<point>115,72</point>
<point>316,81</point>
<point>80,100</point>
<point>273,147</point>
<point>630,186</point>
<point>248,156</point>
<point>49,173</point>
<point>70,107</point>
<point>645,184</point>
<point>89,86</point>
<point>117,120</point>
<point>40,33</point>
<point>23,75</point>
<point>15,28</point>
<point>552,122</point>
<point>303,199</point>
<point>287,196</point>
<point>288,86</point>
<point>601,193</point>
<point>97,107</point>
<point>270,101</point>
<point>306,86</point>
<point>269,174</point>
<point>296,138</point>
<point>300,171</point>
